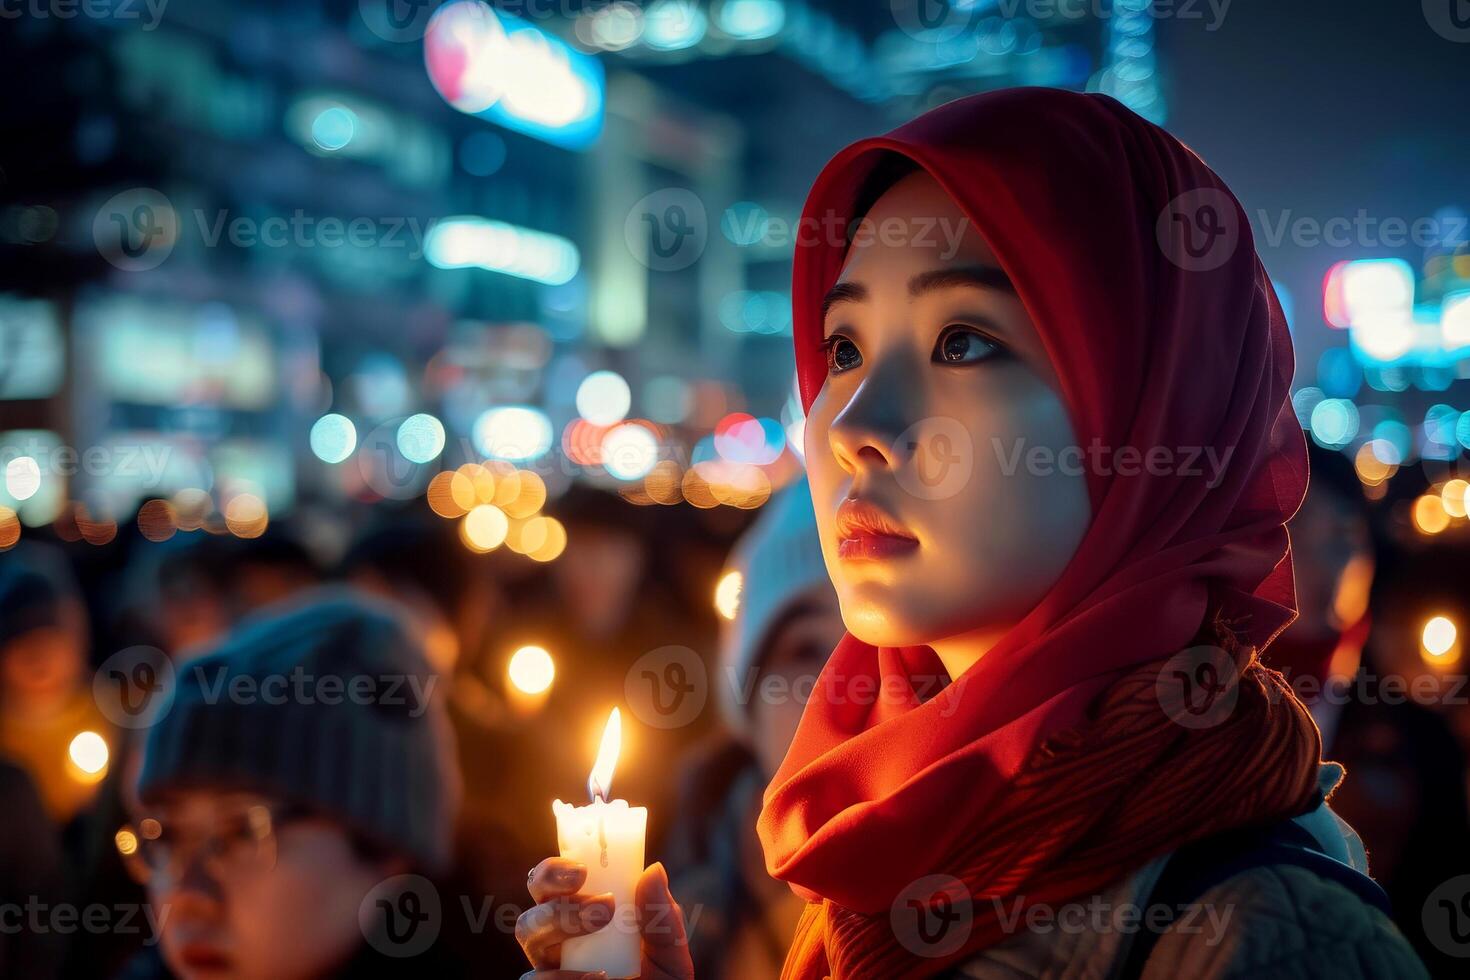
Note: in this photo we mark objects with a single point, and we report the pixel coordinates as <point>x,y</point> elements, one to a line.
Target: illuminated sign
<point>504,69</point>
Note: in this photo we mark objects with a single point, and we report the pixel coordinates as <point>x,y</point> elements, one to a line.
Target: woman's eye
<point>962,345</point>
<point>842,354</point>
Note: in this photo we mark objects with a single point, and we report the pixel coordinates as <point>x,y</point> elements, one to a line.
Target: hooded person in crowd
<point>1406,790</point>
<point>298,794</point>
<point>50,724</point>
<point>1052,456</point>
<point>785,622</point>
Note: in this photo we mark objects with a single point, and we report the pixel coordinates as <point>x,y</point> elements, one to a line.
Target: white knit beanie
<point>780,562</point>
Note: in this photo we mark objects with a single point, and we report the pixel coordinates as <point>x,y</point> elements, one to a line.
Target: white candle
<point>607,837</point>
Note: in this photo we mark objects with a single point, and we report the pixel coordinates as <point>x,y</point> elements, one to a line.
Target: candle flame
<point>599,784</point>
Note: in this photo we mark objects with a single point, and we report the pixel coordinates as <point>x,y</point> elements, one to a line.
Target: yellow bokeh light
<point>484,528</point>
<point>94,530</point>
<point>9,528</point>
<point>727,594</point>
<point>88,752</point>
<point>529,535</point>
<point>1372,469</point>
<point>157,520</point>
<point>532,670</point>
<point>191,507</point>
<point>530,495</point>
<point>127,842</point>
<point>555,543</point>
<point>1452,497</point>
<point>246,516</point>
<point>1439,636</point>
<point>450,494</point>
<point>662,484</point>
<point>1429,514</point>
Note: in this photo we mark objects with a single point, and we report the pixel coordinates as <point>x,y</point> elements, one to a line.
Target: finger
<point>659,917</point>
<point>542,928</point>
<point>554,877</point>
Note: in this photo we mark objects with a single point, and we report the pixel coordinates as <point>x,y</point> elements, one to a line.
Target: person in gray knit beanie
<point>296,769</point>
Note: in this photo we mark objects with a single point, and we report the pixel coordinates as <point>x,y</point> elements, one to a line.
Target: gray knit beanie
<point>327,702</point>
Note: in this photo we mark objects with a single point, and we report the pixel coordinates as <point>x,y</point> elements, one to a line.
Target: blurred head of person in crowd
<point>598,580</point>
<point>441,586</point>
<point>198,585</point>
<point>1332,542</point>
<point>43,632</point>
<point>302,763</point>
<point>786,621</point>
<point>49,723</point>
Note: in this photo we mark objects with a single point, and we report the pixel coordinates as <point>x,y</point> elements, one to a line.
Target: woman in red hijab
<point>1052,454</point>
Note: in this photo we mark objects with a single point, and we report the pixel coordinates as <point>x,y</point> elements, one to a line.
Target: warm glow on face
<point>599,784</point>
<point>1439,636</point>
<point>532,669</point>
<point>88,752</point>
<point>727,594</point>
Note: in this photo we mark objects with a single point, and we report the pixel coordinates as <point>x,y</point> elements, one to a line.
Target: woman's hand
<point>560,913</point>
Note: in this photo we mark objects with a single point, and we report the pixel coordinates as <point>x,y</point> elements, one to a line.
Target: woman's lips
<point>203,956</point>
<point>865,532</point>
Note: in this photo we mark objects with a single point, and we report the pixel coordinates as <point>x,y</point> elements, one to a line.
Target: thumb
<point>660,919</point>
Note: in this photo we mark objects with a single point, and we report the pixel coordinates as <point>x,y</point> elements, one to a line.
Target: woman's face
<point>933,445</point>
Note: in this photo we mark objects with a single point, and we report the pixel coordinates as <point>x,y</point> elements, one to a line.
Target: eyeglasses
<point>244,841</point>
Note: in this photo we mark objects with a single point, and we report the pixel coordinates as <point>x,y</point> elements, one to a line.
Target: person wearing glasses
<point>294,796</point>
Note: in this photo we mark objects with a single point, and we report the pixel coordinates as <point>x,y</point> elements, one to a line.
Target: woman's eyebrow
<point>982,276</point>
<point>843,292</point>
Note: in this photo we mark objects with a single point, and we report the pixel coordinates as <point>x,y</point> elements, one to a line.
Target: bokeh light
<point>484,528</point>
<point>1439,636</point>
<point>532,669</point>
<point>22,477</point>
<point>727,594</point>
<point>421,438</point>
<point>513,432</point>
<point>629,451</point>
<point>333,438</point>
<point>603,398</point>
<point>88,752</point>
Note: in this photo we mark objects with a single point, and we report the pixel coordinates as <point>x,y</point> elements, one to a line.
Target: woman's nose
<point>868,432</point>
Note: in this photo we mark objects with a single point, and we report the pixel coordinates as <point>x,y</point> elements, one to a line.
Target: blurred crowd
<point>170,812</point>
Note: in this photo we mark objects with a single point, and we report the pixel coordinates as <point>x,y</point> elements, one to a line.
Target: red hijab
<point>1051,767</point>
